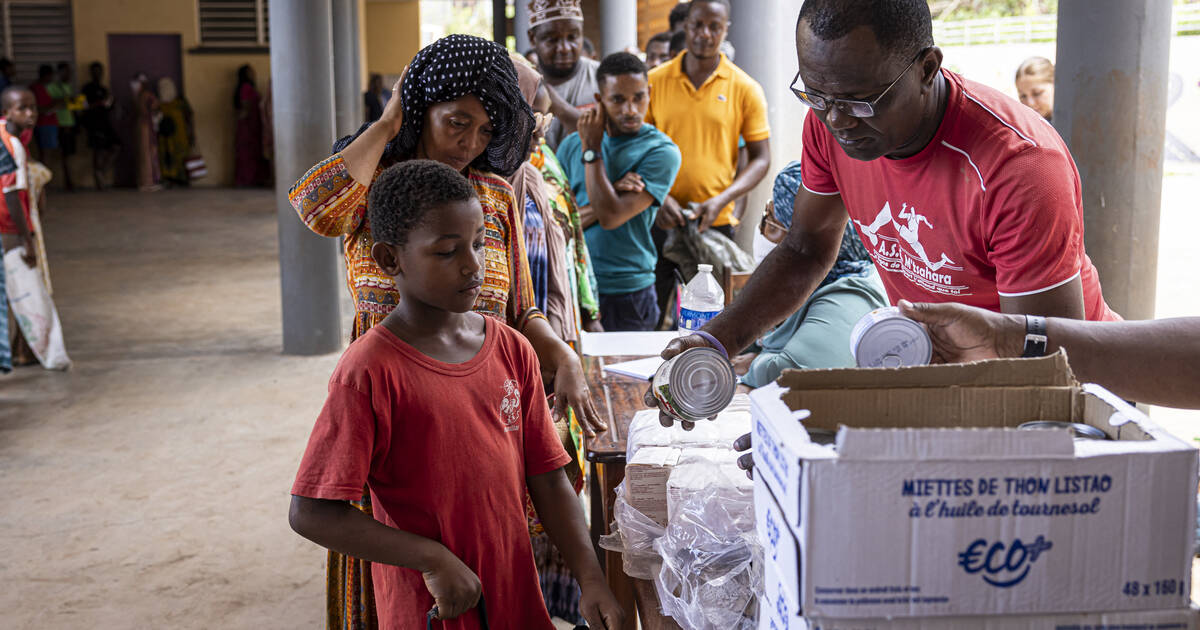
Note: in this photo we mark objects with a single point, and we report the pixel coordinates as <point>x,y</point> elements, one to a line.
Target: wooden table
<point>617,399</point>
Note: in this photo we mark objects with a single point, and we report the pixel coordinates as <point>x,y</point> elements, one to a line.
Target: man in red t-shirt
<point>958,192</point>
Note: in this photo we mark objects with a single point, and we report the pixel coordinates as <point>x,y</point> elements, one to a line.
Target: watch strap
<point>1035,336</point>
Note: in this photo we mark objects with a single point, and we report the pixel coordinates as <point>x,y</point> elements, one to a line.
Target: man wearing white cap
<point>556,31</point>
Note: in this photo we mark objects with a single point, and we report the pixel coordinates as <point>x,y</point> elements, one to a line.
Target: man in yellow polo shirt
<point>704,102</point>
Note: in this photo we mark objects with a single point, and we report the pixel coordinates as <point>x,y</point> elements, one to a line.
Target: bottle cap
<point>703,268</point>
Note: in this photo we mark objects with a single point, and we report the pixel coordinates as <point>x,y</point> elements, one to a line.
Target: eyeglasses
<point>857,109</point>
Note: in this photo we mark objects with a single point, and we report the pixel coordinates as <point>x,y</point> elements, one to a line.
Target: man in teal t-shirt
<point>621,170</point>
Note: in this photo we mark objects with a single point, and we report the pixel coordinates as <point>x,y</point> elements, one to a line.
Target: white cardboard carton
<point>775,612</point>
<point>1173,619</point>
<point>935,505</point>
<point>779,545</point>
<point>646,475</point>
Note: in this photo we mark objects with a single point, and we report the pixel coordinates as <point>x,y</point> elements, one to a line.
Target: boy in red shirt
<point>16,226</point>
<point>441,412</point>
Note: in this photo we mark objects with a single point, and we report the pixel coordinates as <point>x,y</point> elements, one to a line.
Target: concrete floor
<point>148,486</point>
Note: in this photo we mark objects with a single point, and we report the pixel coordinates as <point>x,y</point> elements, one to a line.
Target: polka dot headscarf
<point>458,65</point>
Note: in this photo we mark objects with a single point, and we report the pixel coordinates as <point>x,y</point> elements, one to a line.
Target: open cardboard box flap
<point>1048,371</point>
<point>984,394</point>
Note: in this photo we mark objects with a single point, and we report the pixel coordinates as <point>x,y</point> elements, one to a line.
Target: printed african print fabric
<point>567,214</point>
<point>331,203</point>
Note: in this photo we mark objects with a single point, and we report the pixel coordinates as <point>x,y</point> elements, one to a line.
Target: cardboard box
<point>779,544</point>
<point>778,611</point>
<point>935,505</point>
<point>1174,619</point>
<point>646,480</point>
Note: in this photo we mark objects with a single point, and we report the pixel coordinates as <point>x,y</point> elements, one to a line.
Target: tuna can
<point>885,338</point>
<point>695,384</point>
<point>1080,430</point>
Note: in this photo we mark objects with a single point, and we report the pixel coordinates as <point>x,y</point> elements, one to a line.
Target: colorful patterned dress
<point>332,203</point>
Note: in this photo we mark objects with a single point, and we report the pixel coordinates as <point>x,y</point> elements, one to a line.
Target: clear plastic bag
<point>732,423</point>
<point>633,538</point>
<point>710,554</point>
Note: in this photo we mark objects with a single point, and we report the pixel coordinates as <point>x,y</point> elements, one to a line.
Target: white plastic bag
<point>34,311</point>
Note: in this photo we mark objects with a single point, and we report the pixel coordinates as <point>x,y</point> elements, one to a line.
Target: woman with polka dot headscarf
<point>458,103</point>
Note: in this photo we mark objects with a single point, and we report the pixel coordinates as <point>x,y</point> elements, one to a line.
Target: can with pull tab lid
<point>885,338</point>
<point>695,384</point>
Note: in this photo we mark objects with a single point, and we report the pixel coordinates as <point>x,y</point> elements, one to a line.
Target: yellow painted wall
<point>393,34</point>
<point>208,80</point>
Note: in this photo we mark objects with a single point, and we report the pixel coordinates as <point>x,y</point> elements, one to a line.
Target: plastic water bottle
<point>702,300</point>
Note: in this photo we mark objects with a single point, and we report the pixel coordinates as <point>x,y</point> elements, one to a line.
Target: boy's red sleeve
<point>338,458</point>
<point>543,450</point>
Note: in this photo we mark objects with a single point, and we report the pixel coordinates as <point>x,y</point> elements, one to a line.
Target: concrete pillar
<point>521,25</point>
<point>769,56</point>
<point>310,269</point>
<point>1110,106</point>
<point>618,23</point>
<point>500,21</point>
<point>347,90</point>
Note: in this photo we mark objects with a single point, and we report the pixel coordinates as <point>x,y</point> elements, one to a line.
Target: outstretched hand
<point>677,346</point>
<point>571,390</point>
<point>965,333</point>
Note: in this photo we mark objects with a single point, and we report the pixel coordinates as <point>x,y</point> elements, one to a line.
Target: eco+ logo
<point>1002,565</point>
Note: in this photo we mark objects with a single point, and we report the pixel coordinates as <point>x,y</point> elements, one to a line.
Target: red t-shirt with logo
<point>445,449</point>
<point>991,207</point>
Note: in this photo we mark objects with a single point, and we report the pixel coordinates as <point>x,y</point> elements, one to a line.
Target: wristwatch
<point>1035,336</point>
<point>590,156</point>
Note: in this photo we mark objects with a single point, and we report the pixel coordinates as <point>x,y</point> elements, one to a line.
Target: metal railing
<point>1043,28</point>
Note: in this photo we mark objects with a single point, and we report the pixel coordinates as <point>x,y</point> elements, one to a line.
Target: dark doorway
<point>156,55</point>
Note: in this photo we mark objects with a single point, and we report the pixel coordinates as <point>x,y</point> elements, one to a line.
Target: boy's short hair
<point>10,94</point>
<point>617,64</point>
<point>404,193</point>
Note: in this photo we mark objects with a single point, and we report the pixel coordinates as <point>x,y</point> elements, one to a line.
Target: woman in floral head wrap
<point>458,103</point>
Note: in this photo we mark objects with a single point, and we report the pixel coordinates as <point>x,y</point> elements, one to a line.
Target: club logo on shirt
<point>906,255</point>
<point>510,406</point>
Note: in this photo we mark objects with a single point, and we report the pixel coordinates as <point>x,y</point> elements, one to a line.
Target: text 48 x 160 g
<point>1148,589</point>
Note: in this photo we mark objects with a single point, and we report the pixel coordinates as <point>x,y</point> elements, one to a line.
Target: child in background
<point>16,225</point>
<point>441,412</point>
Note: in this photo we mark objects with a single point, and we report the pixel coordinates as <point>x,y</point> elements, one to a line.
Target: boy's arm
<point>339,526</point>
<point>16,210</point>
<point>558,508</point>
